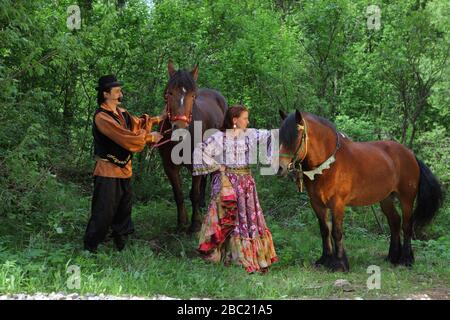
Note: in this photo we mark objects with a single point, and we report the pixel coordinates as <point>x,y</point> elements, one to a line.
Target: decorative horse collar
<point>326,164</point>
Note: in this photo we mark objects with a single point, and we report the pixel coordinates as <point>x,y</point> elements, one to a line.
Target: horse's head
<point>180,94</point>
<point>293,142</point>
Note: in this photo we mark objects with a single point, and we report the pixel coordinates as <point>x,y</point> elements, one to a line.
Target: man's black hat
<point>107,82</point>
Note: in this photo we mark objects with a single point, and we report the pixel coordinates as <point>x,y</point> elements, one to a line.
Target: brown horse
<point>185,105</point>
<point>339,172</point>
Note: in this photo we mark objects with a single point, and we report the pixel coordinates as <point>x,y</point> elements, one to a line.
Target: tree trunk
<point>411,139</point>
<point>404,128</point>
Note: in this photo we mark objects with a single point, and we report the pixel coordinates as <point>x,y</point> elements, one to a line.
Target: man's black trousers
<point>111,208</point>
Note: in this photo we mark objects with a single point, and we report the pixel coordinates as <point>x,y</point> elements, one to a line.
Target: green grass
<point>158,260</point>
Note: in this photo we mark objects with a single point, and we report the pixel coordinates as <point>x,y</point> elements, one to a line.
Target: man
<point>117,135</point>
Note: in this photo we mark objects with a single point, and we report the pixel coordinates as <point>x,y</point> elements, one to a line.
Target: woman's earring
<point>234,126</point>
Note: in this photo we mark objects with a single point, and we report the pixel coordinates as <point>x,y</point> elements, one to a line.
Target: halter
<point>302,145</point>
<point>183,118</point>
<point>296,164</point>
<point>173,118</point>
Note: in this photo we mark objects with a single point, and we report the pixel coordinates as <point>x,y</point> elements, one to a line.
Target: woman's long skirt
<point>234,229</point>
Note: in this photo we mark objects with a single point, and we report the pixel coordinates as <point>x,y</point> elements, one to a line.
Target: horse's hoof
<point>394,260</point>
<point>408,261</point>
<point>339,268</point>
<point>318,264</point>
<point>394,255</point>
<point>323,261</point>
<point>338,265</point>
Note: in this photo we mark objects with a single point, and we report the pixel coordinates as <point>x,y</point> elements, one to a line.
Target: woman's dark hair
<point>232,112</point>
<point>100,97</point>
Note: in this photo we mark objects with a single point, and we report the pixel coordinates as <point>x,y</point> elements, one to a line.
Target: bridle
<point>296,164</point>
<point>303,145</point>
<point>173,118</point>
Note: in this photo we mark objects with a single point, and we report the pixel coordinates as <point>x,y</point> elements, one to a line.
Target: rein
<point>162,133</point>
<point>157,145</point>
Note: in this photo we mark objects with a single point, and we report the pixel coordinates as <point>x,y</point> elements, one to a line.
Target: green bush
<point>434,149</point>
<point>357,129</point>
<point>31,194</point>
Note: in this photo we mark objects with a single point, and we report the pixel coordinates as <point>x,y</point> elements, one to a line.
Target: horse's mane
<point>324,121</point>
<point>289,132</point>
<point>182,79</point>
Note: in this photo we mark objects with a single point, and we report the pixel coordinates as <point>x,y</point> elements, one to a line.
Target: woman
<point>234,229</point>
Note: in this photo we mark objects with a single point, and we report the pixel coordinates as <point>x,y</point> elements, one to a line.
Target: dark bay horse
<point>339,172</point>
<point>185,104</point>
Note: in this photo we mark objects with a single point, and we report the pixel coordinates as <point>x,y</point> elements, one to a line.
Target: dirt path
<point>75,296</point>
<point>433,294</point>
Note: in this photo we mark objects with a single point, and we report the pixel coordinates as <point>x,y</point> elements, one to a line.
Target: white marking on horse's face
<point>182,97</point>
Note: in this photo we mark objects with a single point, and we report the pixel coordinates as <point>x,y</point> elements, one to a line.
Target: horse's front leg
<point>195,196</point>
<point>173,173</point>
<point>340,261</point>
<point>325,231</point>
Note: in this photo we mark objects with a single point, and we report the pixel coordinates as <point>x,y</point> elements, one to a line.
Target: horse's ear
<point>170,68</point>
<point>283,114</point>
<point>194,72</point>
<point>298,116</point>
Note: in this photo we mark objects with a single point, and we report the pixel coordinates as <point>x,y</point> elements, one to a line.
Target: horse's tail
<point>429,197</point>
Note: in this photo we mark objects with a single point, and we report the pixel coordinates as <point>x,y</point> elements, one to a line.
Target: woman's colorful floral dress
<point>234,229</point>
